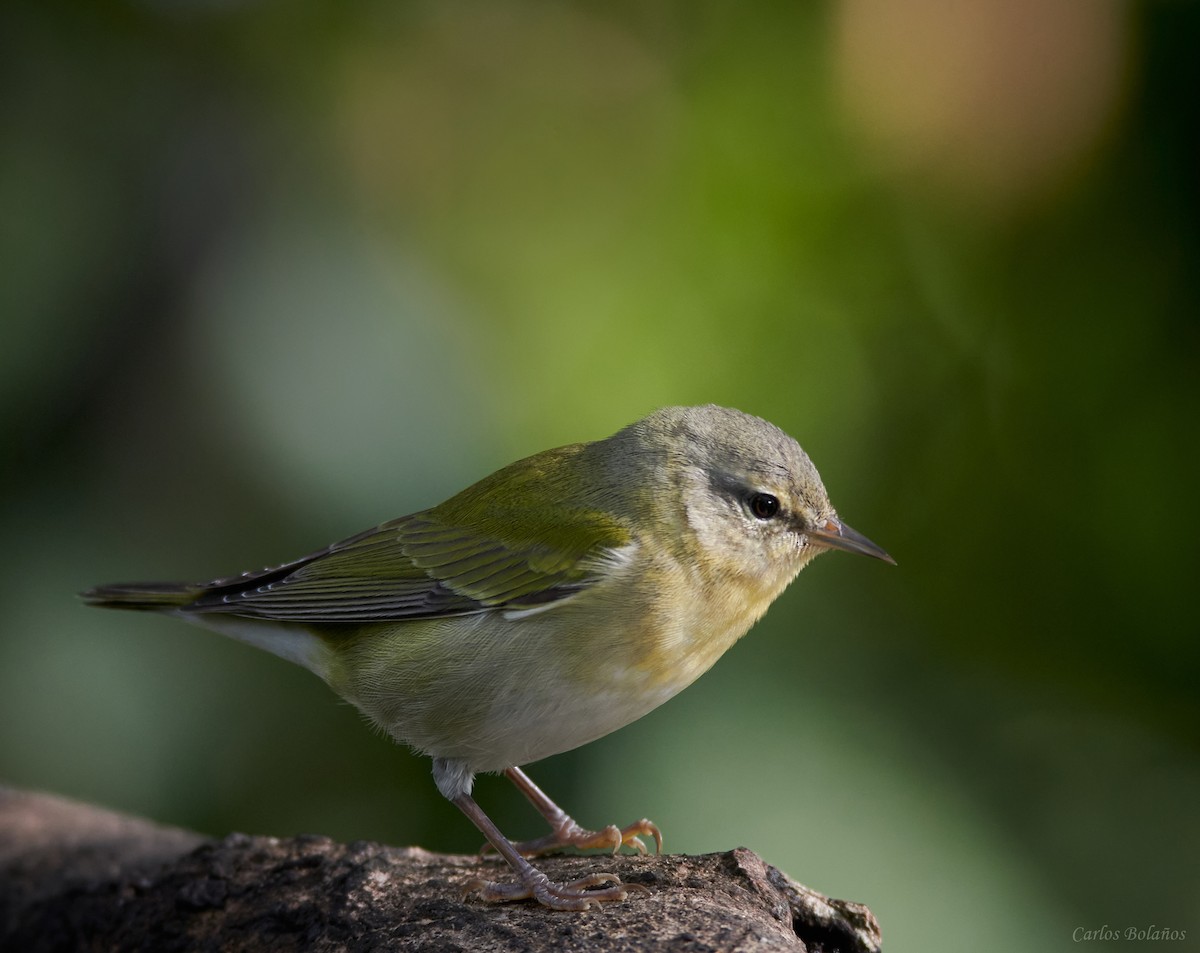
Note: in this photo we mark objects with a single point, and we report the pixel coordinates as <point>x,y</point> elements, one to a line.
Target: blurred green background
<point>271,273</point>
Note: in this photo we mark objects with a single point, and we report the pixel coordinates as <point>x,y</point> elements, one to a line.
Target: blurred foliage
<point>275,272</point>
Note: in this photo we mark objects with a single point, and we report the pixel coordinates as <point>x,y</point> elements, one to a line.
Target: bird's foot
<point>610,838</point>
<point>579,894</point>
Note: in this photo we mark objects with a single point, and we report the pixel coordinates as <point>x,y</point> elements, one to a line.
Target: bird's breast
<point>685,620</point>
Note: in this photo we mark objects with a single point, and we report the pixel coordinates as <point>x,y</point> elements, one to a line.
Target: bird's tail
<point>143,596</point>
<point>290,642</point>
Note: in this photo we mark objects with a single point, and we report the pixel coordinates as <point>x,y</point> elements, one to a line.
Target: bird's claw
<point>610,838</point>
<point>573,895</point>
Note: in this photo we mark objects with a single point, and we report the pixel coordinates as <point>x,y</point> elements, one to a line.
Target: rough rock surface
<point>76,877</point>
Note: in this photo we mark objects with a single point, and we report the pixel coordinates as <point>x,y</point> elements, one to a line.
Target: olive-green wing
<point>476,552</point>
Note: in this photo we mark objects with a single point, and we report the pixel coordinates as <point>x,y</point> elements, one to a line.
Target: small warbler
<point>556,600</point>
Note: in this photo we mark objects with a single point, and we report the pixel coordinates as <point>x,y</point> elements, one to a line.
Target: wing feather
<point>474,553</point>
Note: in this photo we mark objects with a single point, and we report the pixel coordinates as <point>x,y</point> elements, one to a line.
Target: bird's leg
<point>564,832</point>
<point>532,883</point>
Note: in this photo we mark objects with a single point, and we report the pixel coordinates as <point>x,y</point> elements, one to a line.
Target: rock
<point>76,877</point>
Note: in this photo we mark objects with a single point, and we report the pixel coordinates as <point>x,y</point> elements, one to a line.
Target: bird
<point>555,601</point>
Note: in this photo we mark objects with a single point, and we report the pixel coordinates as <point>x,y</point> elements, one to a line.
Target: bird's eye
<point>763,505</point>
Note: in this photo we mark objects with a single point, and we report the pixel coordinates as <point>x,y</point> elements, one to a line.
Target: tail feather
<point>146,596</point>
<point>290,642</point>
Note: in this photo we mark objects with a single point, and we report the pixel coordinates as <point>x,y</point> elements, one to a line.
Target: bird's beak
<point>837,535</point>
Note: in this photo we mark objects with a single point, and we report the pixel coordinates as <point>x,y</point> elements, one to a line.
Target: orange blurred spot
<point>996,100</point>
